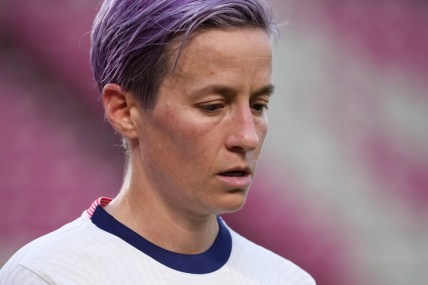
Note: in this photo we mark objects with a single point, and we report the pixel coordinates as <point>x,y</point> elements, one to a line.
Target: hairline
<point>174,49</point>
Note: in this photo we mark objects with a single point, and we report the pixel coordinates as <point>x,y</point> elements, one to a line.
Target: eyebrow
<point>265,90</point>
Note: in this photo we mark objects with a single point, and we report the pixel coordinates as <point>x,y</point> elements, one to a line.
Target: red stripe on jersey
<point>102,201</point>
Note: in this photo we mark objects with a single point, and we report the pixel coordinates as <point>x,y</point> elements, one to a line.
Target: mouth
<point>234,173</point>
<point>236,178</point>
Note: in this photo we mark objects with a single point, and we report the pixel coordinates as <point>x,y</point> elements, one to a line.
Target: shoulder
<point>64,251</point>
<point>20,275</point>
<point>267,264</point>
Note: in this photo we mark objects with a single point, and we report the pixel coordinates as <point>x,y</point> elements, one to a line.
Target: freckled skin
<point>209,116</point>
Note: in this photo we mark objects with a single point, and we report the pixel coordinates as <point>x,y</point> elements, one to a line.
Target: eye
<point>211,107</point>
<point>259,107</point>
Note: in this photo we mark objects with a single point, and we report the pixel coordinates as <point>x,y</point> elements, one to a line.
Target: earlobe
<point>117,108</point>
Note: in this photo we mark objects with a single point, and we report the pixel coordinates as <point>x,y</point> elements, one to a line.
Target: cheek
<point>187,136</point>
<point>262,127</point>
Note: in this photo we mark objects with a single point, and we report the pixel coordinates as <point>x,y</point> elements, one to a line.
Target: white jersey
<point>98,249</point>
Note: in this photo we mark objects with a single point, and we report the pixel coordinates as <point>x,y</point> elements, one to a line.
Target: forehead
<point>222,46</point>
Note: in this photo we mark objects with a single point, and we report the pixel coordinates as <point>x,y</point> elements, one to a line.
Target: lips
<point>236,178</point>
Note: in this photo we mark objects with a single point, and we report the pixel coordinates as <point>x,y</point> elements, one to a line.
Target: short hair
<point>132,39</point>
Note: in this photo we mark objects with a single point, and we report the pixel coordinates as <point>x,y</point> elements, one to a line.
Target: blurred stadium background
<point>342,188</point>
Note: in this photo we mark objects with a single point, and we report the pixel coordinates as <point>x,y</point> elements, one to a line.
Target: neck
<point>170,229</point>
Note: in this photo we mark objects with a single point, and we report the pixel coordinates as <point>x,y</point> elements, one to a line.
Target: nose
<point>243,134</point>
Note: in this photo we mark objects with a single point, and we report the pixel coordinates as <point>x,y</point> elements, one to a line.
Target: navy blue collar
<point>209,261</point>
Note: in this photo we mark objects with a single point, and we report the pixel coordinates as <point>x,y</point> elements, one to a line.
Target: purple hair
<point>132,39</point>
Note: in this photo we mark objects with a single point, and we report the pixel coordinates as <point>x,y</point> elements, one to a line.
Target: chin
<point>233,202</point>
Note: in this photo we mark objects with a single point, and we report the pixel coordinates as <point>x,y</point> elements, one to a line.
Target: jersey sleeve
<point>19,274</point>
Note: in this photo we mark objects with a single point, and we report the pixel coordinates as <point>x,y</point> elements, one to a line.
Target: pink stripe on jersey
<point>102,201</point>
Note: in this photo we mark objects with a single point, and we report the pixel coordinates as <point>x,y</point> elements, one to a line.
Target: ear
<point>117,108</point>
